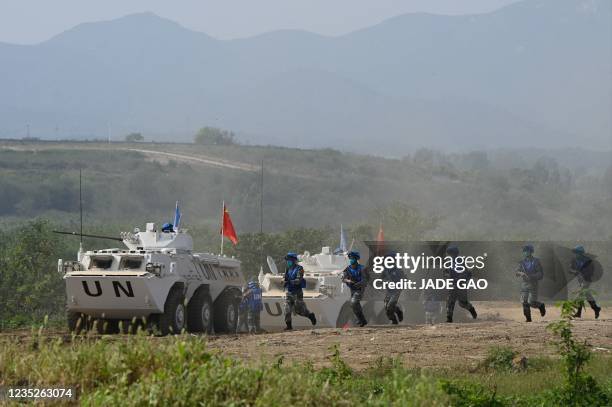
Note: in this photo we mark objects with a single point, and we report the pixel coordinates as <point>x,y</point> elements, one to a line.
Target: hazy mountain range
<point>535,73</point>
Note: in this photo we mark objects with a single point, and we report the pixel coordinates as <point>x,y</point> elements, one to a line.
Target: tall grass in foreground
<point>181,370</point>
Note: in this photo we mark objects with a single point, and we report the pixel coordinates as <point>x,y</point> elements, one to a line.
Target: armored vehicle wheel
<point>200,312</point>
<point>77,322</point>
<point>172,321</point>
<point>226,314</point>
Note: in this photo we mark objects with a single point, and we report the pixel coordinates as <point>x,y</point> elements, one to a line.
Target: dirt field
<point>441,345</point>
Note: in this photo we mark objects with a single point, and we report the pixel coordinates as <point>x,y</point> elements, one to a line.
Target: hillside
<point>495,195</point>
<point>535,73</point>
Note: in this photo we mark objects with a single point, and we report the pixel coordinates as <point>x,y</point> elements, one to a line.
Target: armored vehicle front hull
<point>119,296</point>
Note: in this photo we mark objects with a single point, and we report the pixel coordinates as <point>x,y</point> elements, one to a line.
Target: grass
<point>181,370</point>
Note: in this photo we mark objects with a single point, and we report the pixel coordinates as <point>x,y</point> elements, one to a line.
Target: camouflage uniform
<point>241,325</point>
<point>582,266</point>
<point>250,309</point>
<point>530,271</point>
<point>393,311</point>
<point>253,321</point>
<point>356,279</point>
<point>457,295</point>
<point>255,306</point>
<point>294,298</point>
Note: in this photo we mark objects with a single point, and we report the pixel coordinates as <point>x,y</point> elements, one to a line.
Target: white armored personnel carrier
<point>156,281</point>
<point>324,294</point>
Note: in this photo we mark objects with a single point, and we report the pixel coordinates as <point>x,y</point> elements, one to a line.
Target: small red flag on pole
<point>381,234</point>
<point>227,228</point>
<point>380,240</point>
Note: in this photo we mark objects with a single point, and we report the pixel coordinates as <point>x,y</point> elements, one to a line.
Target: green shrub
<point>471,395</point>
<point>499,358</point>
<point>579,388</point>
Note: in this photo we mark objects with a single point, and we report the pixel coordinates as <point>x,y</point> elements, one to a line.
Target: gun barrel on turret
<point>118,239</point>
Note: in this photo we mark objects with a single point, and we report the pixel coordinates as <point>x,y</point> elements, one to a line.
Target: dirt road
<point>441,345</point>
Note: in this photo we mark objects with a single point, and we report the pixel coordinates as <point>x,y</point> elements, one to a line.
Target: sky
<point>33,21</point>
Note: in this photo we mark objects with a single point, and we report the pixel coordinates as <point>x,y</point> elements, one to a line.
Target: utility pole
<point>81,201</point>
<point>261,200</point>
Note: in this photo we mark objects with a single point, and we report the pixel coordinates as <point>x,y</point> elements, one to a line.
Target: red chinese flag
<point>381,234</point>
<point>380,241</point>
<point>228,227</point>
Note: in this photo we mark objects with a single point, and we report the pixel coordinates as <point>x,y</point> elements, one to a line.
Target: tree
<point>30,287</point>
<point>134,137</point>
<point>214,136</point>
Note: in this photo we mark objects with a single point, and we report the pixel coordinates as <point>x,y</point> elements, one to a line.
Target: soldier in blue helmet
<point>455,294</point>
<point>530,271</point>
<point>294,284</point>
<point>254,306</point>
<point>582,266</point>
<point>355,278</point>
<point>395,275</point>
<point>167,228</point>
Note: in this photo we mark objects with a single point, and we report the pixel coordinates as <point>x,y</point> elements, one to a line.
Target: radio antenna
<point>81,202</point>
<point>261,213</point>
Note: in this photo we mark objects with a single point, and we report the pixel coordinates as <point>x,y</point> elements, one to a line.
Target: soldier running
<point>530,271</point>
<point>395,275</point>
<point>582,267</point>
<point>455,294</point>
<point>355,278</point>
<point>294,284</point>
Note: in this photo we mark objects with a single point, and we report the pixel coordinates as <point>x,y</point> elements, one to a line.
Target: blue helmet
<point>253,284</point>
<point>579,249</point>
<point>167,227</point>
<point>291,256</point>
<point>452,250</point>
<point>528,248</point>
<point>354,255</point>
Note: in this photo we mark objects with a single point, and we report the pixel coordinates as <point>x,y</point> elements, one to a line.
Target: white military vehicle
<point>324,294</point>
<point>156,281</point>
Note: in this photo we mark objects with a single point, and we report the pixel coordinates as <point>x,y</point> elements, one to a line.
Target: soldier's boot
<point>400,314</point>
<point>542,309</point>
<point>527,312</point>
<point>361,318</point>
<point>289,326</point>
<point>449,318</point>
<point>578,313</point>
<point>391,315</point>
<point>595,307</point>
<point>473,312</point>
<point>312,318</point>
